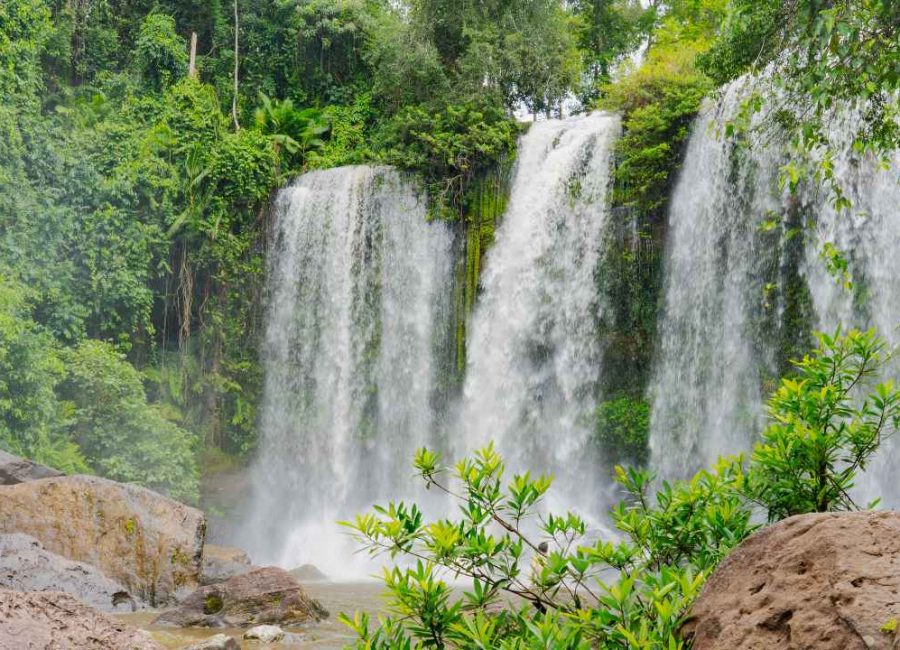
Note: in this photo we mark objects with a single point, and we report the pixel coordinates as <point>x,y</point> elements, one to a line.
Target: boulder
<point>15,470</point>
<point>308,573</point>
<point>265,634</point>
<point>52,620</point>
<point>266,595</point>
<point>223,562</point>
<point>819,581</point>
<point>217,642</point>
<point>26,566</point>
<point>148,543</point>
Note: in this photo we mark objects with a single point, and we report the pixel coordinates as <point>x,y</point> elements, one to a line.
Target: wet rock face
<point>148,543</point>
<point>816,582</point>
<point>267,595</point>
<point>57,620</point>
<point>14,470</point>
<point>26,566</point>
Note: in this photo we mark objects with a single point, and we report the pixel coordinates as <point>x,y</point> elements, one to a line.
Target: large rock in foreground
<point>822,582</point>
<point>267,595</point>
<point>148,543</point>
<point>51,620</point>
<point>14,470</point>
<point>26,566</point>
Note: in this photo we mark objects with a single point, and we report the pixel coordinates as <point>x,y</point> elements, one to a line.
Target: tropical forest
<point>449,324</point>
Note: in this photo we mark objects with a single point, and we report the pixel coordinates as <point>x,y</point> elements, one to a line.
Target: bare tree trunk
<point>234,100</point>
<point>192,63</point>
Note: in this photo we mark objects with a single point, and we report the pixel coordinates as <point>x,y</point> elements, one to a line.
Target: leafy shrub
<point>623,428</point>
<point>825,427</point>
<point>658,102</point>
<point>31,419</point>
<point>450,147</point>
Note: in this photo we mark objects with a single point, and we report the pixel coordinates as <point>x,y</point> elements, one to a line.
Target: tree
<point>160,53</point>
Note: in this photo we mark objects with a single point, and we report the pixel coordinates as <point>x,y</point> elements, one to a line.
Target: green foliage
<point>669,543</point>
<point>826,425</point>
<point>31,419</point>
<point>608,31</point>
<point>160,53</point>
<point>451,147</point>
<point>820,56</point>
<point>658,102</point>
<point>623,429</point>
<point>297,132</point>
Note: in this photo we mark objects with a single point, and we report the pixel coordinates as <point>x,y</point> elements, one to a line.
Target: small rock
<point>308,573</point>
<point>265,633</point>
<point>217,642</point>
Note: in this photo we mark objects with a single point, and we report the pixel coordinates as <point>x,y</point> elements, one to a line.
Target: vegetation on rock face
<point>578,592</point>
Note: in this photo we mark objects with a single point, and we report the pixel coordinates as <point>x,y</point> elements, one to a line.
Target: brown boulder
<point>819,581</point>
<point>267,595</point>
<point>223,562</point>
<point>14,470</point>
<point>52,620</point>
<point>147,542</point>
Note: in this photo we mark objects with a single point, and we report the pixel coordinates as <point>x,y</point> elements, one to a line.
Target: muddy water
<point>330,633</point>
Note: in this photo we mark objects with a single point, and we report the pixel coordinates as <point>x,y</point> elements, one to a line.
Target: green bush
<point>623,428</point>
<point>451,147</point>
<point>658,103</point>
<point>826,424</point>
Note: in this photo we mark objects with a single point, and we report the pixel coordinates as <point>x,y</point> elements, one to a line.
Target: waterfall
<point>359,289</point>
<point>739,299</point>
<point>534,355</point>
<point>706,384</point>
<point>869,238</point>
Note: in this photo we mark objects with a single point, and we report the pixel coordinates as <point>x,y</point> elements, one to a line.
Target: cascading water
<point>359,298</point>
<point>869,238</point>
<point>735,294</point>
<point>534,354</point>
<point>705,389</point>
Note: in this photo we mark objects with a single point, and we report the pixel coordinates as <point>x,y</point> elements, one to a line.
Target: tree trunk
<point>192,63</point>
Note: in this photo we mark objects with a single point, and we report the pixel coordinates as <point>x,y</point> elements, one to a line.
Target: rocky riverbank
<point>74,549</point>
